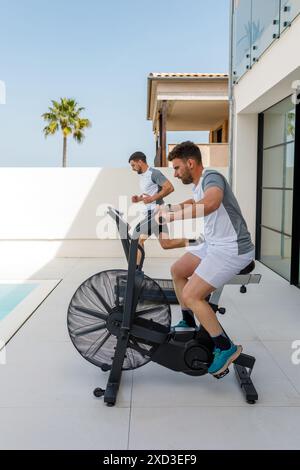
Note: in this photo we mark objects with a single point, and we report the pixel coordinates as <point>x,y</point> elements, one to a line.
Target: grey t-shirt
<point>151,182</point>
<point>226,225</point>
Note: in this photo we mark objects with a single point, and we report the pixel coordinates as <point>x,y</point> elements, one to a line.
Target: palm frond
<point>82,123</point>
<point>50,116</point>
<point>67,131</point>
<point>78,136</point>
<point>50,129</point>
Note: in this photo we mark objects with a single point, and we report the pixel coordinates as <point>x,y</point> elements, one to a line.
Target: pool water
<point>11,295</point>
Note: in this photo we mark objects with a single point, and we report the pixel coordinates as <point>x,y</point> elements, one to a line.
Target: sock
<point>193,242</point>
<point>221,342</point>
<point>188,317</point>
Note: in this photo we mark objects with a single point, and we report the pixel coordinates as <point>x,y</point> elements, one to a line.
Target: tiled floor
<point>46,399</point>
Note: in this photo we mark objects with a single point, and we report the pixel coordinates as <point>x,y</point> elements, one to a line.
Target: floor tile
<point>70,428</point>
<point>210,428</point>
<point>156,386</point>
<point>53,373</point>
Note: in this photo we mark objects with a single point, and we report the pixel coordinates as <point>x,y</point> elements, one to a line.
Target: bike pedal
<point>222,374</point>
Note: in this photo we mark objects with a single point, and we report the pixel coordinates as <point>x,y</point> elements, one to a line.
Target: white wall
<point>245,165</point>
<point>59,209</point>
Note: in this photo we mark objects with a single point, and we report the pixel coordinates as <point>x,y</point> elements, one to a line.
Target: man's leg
<point>181,270</point>
<point>142,240</point>
<point>193,295</point>
<point>168,243</point>
<point>146,225</point>
<point>163,237</point>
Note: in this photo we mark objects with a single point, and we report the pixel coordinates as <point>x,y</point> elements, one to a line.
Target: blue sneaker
<point>182,325</point>
<point>223,359</point>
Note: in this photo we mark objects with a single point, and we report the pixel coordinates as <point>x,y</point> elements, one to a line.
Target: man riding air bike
<point>227,248</point>
<point>154,187</point>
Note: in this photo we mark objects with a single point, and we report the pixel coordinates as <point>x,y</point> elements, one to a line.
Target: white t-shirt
<point>151,182</point>
<point>226,225</point>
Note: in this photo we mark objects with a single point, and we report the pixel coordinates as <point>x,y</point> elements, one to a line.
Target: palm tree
<point>291,124</point>
<point>65,116</point>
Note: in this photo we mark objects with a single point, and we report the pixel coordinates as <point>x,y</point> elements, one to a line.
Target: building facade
<point>265,163</point>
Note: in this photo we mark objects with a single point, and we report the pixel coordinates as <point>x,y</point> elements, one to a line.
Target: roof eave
<point>151,78</point>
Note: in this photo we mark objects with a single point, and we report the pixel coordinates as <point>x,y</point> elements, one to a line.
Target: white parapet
<point>48,212</point>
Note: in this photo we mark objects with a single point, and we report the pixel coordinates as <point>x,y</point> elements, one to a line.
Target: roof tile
<point>187,75</point>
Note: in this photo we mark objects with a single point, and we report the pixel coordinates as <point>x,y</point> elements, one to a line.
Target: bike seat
<point>248,269</point>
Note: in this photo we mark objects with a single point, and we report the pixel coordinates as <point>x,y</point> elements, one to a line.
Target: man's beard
<point>187,177</point>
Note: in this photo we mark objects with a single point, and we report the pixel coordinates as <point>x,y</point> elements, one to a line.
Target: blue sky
<point>99,52</point>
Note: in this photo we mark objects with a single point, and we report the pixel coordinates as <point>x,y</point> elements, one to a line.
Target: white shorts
<point>219,264</point>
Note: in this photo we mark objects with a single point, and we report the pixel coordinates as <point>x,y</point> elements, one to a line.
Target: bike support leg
<point>243,366</point>
<point>113,383</point>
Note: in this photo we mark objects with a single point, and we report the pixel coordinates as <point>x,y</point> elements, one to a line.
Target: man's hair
<point>138,156</point>
<point>186,150</point>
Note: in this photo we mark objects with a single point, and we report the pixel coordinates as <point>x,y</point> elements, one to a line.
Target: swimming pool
<point>11,295</point>
<point>18,301</point>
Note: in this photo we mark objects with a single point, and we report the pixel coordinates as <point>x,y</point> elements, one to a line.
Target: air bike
<point>121,319</point>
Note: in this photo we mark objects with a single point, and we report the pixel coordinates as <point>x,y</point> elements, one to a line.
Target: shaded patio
<point>190,102</point>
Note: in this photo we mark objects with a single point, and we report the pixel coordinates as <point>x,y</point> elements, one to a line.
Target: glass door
<point>277,155</point>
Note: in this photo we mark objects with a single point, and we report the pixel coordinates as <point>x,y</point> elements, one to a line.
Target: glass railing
<point>241,38</point>
<point>256,25</point>
<point>289,10</point>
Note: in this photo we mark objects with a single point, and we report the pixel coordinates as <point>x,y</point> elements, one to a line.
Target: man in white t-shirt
<point>154,187</point>
<point>227,248</point>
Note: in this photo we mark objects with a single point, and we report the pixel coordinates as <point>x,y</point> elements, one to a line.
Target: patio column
<point>225,132</point>
<point>157,161</point>
<point>163,134</point>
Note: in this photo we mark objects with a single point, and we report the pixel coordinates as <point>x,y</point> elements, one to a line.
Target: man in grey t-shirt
<point>227,248</point>
<point>154,187</point>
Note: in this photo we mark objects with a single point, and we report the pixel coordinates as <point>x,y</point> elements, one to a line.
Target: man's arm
<point>180,206</point>
<point>136,199</point>
<point>167,188</point>
<point>211,201</point>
